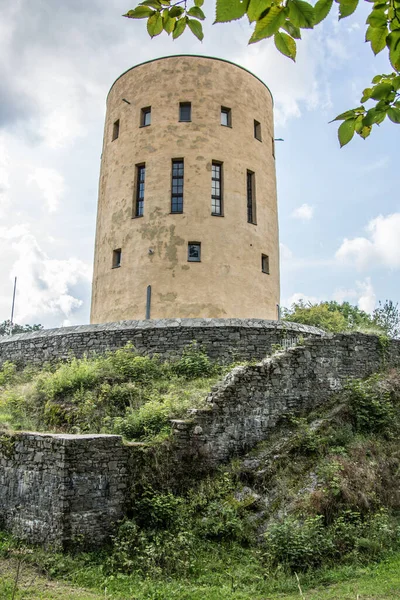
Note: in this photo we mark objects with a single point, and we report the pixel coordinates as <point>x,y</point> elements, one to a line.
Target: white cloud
<point>51,184</point>
<point>285,252</point>
<point>381,247</point>
<point>367,299</point>
<point>305,212</point>
<point>298,297</point>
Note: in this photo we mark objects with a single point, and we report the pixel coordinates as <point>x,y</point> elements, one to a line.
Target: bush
<point>371,406</point>
<point>194,363</point>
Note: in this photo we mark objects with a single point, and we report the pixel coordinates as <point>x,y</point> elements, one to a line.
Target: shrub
<point>371,406</point>
<point>194,363</point>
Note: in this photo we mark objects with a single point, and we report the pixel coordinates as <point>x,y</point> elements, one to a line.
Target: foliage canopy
<point>283,20</point>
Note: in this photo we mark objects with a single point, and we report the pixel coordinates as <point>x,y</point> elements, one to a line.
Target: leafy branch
<point>283,20</point>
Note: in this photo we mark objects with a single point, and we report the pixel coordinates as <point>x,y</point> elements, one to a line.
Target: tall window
<point>177,186</point>
<point>226,116</point>
<point>115,130</point>
<point>145,116</point>
<point>194,252</point>
<point>257,130</point>
<point>251,198</point>
<point>185,111</point>
<point>265,263</point>
<point>140,177</point>
<point>216,189</point>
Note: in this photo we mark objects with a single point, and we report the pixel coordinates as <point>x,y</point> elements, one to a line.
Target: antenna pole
<point>13,306</point>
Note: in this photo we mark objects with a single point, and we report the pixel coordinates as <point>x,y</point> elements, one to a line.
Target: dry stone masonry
<point>222,339</point>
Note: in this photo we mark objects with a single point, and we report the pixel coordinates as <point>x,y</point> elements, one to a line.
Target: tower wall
<point>228,282</point>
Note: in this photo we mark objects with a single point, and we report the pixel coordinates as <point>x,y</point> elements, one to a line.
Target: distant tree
<point>7,329</point>
<point>335,317</point>
<point>387,316</point>
<point>284,20</point>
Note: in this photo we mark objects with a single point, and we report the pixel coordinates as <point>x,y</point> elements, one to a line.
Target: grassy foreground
<point>376,582</point>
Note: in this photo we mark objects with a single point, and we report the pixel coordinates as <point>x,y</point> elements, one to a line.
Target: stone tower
<point>187,215</point>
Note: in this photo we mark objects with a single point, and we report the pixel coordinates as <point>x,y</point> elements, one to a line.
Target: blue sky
<point>339,209</point>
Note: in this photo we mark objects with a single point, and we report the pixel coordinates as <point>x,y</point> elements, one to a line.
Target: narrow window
<point>251,198</point>
<point>194,251</point>
<point>116,262</point>
<point>216,189</point>
<point>115,130</point>
<point>265,263</point>
<point>257,130</point>
<point>177,186</point>
<point>273,147</point>
<point>226,116</point>
<point>185,111</point>
<point>145,116</point>
<point>140,177</point>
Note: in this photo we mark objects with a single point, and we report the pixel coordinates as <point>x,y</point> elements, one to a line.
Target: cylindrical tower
<point>187,215</point>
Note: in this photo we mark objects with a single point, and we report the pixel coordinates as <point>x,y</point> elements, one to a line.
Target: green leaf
<point>321,10</point>
<point>343,116</point>
<point>381,91</point>
<point>155,24</point>
<point>365,131</point>
<point>180,26</point>
<point>176,11</point>
<point>269,25</point>
<point>358,124</point>
<point>285,44</point>
<point>199,3</point>
<point>393,43</point>
<point>256,8</point>
<point>230,10</point>
<point>168,22</point>
<point>366,94</point>
<point>165,2</point>
<point>140,12</point>
<point>377,18</point>
<point>347,7</point>
<point>377,36</point>
<point>346,132</point>
<point>196,28</point>
<point>292,30</point>
<point>377,78</point>
<point>301,14</point>
<point>196,12</point>
<point>153,3</point>
<point>394,114</point>
<point>396,83</point>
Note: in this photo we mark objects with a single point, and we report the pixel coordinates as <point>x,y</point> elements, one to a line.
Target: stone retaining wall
<point>246,406</point>
<point>223,339</point>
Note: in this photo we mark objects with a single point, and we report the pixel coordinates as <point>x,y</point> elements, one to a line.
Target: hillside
<point>318,500</point>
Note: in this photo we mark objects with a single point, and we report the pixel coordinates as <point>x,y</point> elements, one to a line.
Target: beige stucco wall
<point>228,282</point>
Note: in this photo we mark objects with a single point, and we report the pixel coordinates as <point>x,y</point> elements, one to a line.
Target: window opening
<point>194,251</point>
<point>216,189</point>
<point>145,118</point>
<point>115,130</point>
<point>177,186</point>
<point>185,111</point>
<point>265,263</point>
<point>116,258</point>
<point>140,180</point>
<point>226,116</point>
<point>251,198</point>
<point>257,130</point>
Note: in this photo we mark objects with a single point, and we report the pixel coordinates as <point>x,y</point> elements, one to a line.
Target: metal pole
<point>13,306</point>
<point>148,302</point>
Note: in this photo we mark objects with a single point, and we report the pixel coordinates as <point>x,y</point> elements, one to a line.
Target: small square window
<point>115,130</point>
<point>257,130</point>
<point>194,251</point>
<point>226,116</point>
<point>265,263</point>
<point>185,111</point>
<point>116,258</point>
<point>145,116</point>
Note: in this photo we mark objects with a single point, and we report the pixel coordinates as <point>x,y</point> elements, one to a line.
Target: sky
<point>339,209</point>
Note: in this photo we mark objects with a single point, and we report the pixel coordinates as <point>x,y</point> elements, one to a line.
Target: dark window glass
<point>251,203</point>
<point>116,258</point>
<point>140,179</point>
<point>194,252</point>
<point>185,111</point>
<point>265,263</point>
<point>177,186</point>
<point>115,130</point>
<point>226,118</point>
<point>257,130</point>
<point>216,189</point>
<point>145,118</point>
